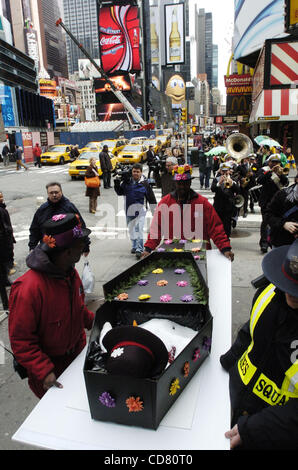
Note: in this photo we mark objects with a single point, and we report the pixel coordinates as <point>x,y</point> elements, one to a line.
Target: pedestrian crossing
<point>32,169</point>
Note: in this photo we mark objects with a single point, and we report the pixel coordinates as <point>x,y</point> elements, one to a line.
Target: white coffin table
<point>197,420</point>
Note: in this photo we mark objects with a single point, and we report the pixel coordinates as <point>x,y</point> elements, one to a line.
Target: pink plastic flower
<point>182,283</point>
<point>168,242</point>
<point>166,298</point>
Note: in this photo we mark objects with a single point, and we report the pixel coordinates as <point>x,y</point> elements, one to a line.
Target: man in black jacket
<point>262,363</point>
<point>282,216</point>
<point>272,180</point>
<point>57,203</point>
<point>106,166</point>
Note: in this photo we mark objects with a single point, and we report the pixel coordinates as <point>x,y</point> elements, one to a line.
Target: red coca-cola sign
<point>119,38</point>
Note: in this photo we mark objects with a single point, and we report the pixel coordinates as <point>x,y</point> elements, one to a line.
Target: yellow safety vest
<point>265,388</point>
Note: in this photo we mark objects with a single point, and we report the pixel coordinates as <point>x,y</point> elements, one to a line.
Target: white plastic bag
<point>88,278</point>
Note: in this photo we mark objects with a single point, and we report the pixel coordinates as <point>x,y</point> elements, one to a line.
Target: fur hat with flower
<point>61,231</point>
<point>182,172</point>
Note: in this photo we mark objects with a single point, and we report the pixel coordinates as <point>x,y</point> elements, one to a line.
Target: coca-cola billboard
<point>119,38</point>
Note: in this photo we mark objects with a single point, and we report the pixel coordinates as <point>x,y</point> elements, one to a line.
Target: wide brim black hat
<point>139,335</point>
<point>275,267</point>
<point>62,230</point>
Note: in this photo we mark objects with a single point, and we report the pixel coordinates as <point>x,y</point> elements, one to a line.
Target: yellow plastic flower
<point>144,297</point>
<point>157,271</point>
<point>197,240</point>
<point>180,170</point>
<point>174,387</point>
<point>178,250</point>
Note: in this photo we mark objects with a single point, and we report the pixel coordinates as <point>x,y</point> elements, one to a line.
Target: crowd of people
<point>46,337</point>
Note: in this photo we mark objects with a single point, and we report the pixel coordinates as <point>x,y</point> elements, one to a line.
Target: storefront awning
<point>275,105</point>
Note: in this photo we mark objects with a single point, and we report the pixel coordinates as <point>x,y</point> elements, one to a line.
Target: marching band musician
<point>254,169</point>
<point>245,182</point>
<point>272,179</point>
<point>225,189</point>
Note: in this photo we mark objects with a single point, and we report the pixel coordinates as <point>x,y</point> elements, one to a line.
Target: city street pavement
<point>110,254</point>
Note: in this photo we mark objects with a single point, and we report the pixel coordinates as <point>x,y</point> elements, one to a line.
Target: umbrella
<point>267,141</point>
<point>216,151</point>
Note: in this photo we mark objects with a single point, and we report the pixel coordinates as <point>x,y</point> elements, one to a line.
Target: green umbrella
<point>268,141</point>
<point>260,138</point>
<point>216,151</point>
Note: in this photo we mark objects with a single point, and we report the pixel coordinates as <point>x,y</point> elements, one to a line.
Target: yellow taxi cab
<point>91,146</point>
<point>133,154</point>
<point>78,168</point>
<point>114,145</point>
<point>164,140</point>
<point>57,154</point>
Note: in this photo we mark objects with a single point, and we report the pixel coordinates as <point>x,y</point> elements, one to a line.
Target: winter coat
<point>6,236</point>
<point>224,199</point>
<point>92,192</point>
<point>282,208</point>
<point>47,317</point>
<point>37,151</point>
<point>163,218</point>
<point>136,193</point>
<point>168,184</point>
<point>105,162</point>
<point>266,420</point>
<point>46,212</point>
<point>270,185</point>
<point>205,161</point>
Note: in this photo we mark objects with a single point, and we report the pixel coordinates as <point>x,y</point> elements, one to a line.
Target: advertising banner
<point>27,146</point>
<point>175,88</point>
<point>256,21</point>
<point>175,33</point>
<point>154,34</point>
<point>119,38</point>
<point>7,106</point>
<point>238,105</point>
<point>291,16</point>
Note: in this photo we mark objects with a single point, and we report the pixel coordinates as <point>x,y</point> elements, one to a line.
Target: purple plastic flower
<point>186,298</point>
<point>206,343</point>
<point>143,282</point>
<point>77,232</point>
<point>161,250</point>
<point>106,400</point>
<point>166,298</point>
<point>182,242</point>
<point>182,283</point>
<point>179,271</point>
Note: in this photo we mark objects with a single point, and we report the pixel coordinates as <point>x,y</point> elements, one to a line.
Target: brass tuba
<point>239,146</point>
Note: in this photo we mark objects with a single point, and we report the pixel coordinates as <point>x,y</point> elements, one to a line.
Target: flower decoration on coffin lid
<point>196,250</point>
<point>162,283</point>
<point>179,271</point>
<point>166,298</point>
<point>186,298</point>
<point>161,250</point>
<point>178,250</point>
<point>186,369</point>
<point>143,282</point>
<point>182,242</point>
<point>157,271</point>
<point>134,405</point>
<point>168,242</point>
<point>144,297</point>
<point>182,283</point>
<point>122,296</point>
<point>50,241</point>
<point>107,400</point>
<point>174,387</point>
<point>206,343</point>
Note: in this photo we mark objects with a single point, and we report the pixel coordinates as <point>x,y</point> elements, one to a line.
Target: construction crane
<point>127,105</point>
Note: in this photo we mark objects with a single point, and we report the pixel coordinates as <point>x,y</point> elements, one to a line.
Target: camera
<point>122,172</point>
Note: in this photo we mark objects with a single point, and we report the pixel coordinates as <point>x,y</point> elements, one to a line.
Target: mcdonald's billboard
<point>238,105</point>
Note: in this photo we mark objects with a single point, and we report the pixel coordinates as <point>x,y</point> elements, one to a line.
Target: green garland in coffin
<point>199,290</point>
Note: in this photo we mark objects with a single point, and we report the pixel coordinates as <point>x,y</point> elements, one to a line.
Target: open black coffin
<point>121,283</point>
<point>154,392</point>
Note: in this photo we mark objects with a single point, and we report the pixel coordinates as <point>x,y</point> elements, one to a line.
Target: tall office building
<point>215,66</point>
<point>204,35</point>
<point>80,16</point>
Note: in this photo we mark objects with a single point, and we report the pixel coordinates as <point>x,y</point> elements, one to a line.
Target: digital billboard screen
<point>119,38</point>
<point>121,82</point>
<point>256,21</point>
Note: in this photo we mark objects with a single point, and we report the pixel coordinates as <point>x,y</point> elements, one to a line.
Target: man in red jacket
<point>37,153</point>
<point>47,310</point>
<point>184,214</point>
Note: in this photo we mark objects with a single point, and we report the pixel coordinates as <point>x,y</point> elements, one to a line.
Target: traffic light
<point>184,114</point>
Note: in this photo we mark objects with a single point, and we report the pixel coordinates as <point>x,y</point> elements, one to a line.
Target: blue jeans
<point>135,228</point>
